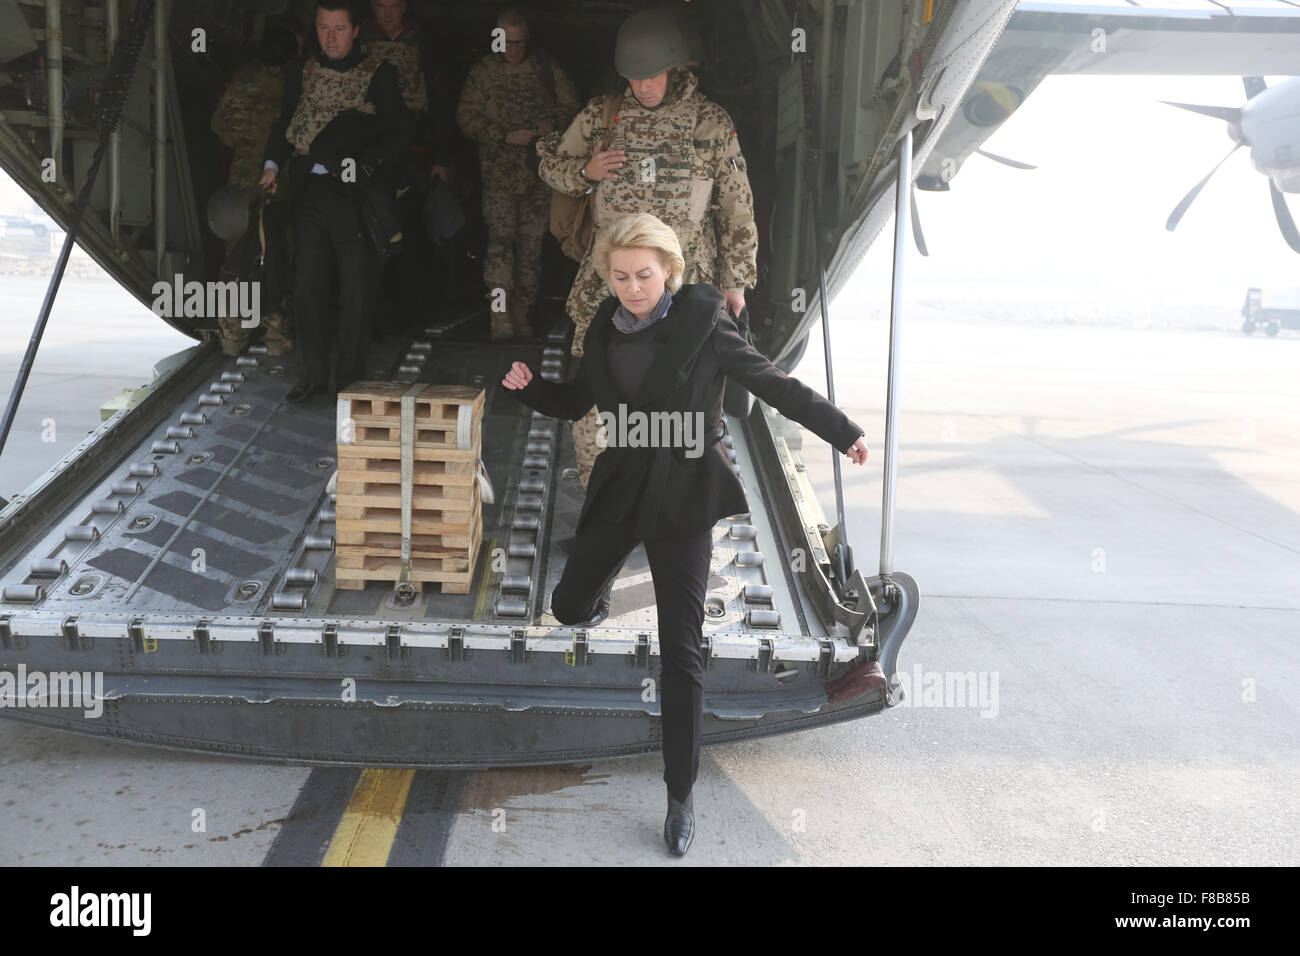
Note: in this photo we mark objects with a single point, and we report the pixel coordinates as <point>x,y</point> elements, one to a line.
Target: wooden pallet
<point>381,497</point>
<point>452,573</point>
<point>428,521</point>
<point>370,415</point>
<point>360,541</point>
<point>357,472</point>
<point>446,510</point>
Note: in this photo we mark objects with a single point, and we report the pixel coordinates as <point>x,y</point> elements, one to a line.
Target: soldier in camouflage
<point>671,152</point>
<point>392,36</point>
<point>510,99</point>
<point>242,121</point>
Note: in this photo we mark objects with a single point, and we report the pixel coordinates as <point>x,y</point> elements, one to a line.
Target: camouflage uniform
<point>242,122</point>
<point>403,53</point>
<point>325,94</point>
<point>684,166</point>
<point>500,97</point>
<point>244,116</point>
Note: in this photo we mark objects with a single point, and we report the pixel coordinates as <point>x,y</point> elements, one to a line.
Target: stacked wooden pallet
<point>442,527</point>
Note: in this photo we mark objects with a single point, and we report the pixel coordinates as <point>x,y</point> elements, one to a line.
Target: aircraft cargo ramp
<point>197,574</point>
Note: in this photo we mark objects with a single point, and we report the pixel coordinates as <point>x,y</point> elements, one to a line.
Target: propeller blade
<point>1254,85</point>
<point>1283,214</point>
<point>916,227</point>
<point>1177,214</point>
<point>1013,163</point>
<point>1229,114</point>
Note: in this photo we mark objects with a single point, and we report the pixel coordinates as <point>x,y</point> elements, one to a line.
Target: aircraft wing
<point>1174,37</point>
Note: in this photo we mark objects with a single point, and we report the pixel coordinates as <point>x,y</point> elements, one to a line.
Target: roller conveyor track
<point>223,510</point>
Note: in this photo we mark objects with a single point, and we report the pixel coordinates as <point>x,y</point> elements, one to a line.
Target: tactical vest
<point>406,57</point>
<point>325,94</point>
<point>664,174</point>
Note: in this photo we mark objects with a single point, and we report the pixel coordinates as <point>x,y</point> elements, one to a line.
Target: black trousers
<point>679,567</point>
<point>331,243</point>
<point>408,295</point>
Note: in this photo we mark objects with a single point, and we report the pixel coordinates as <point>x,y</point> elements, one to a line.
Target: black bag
<point>444,216</point>
<point>352,135</point>
<point>381,214</point>
<point>261,254</point>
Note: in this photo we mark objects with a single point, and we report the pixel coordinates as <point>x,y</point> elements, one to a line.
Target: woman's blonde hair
<point>641,231</point>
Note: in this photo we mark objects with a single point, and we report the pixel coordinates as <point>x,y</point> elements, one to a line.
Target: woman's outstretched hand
<point>857,452</point>
<point>519,376</point>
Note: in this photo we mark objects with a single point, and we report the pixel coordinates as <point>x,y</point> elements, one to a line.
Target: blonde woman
<point>656,345</point>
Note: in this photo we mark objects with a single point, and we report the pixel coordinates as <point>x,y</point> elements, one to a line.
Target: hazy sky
<point>1113,162</point>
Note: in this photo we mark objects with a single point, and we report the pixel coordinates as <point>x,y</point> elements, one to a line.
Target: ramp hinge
<point>76,641</point>
<point>706,650</point>
<point>202,637</point>
<point>6,635</point>
<point>330,639</point>
<point>455,644</point>
<point>578,656</point>
<point>825,658</point>
<point>518,647</point>
<point>642,651</point>
<point>393,638</point>
<point>764,663</point>
<point>266,636</point>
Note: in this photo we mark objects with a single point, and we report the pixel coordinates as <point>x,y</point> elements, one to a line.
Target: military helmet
<point>694,43</point>
<point>692,39</point>
<point>230,211</point>
<point>649,42</point>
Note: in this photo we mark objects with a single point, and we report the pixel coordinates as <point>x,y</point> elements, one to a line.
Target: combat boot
<point>518,313</point>
<point>503,326</point>
<point>234,337</point>
<point>278,341</point>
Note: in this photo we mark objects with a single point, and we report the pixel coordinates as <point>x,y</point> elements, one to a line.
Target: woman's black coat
<point>697,347</point>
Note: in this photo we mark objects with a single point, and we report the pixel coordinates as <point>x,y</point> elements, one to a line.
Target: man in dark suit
<point>330,160</point>
<point>658,346</point>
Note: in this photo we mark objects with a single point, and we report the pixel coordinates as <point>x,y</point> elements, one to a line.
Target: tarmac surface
<point>1105,527</point>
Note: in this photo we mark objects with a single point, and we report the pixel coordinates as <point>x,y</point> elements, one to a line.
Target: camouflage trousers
<point>516,220</point>
<point>235,338</point>
<point>588,443</point>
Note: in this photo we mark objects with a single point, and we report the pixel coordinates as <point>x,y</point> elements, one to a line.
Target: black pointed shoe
<point>602,607</point>
<point>679,825</point>
<point>302,391</point>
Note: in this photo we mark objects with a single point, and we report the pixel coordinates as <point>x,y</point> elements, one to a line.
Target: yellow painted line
<point>364,836</point>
